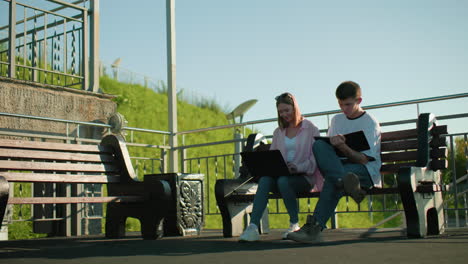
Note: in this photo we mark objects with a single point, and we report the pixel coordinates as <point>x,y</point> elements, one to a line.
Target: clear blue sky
<point>256,49</point>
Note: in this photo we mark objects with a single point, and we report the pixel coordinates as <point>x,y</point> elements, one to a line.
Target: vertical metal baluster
<point>18,60</point>
<point>225,167</point>
<point>466,169</point>
<point>454,180</point>
<point>73,56</point>
<point>20,192</point>
<point>59,58</point>
<point>64,55</point>
<point>34,48</point>
<point>25,29</point>
<point>52,57</point>
<point>44,50</point>
<point>233,165</point>
<point>208,182</point>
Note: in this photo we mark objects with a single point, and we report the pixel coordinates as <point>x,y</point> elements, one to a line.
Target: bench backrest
<point>423,146</point>
<point>33,161</point>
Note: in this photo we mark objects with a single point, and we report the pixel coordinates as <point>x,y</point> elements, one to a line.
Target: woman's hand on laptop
<point>292,167</point>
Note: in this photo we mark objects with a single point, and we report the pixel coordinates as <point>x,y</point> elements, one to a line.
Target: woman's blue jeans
<point>333,169</point>
<point>287,186</point>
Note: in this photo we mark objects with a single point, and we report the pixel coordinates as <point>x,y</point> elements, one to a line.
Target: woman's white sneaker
<point>250,234</point>
<point>292,228</point>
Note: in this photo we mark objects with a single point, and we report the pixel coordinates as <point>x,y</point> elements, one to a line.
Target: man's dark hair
<point>348,89</point>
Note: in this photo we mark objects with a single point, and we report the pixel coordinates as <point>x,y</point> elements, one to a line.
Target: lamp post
<point>171,84</point>
<point>239,111</point>
<point>115,68</point>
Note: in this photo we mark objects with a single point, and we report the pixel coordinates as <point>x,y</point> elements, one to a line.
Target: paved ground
<point>340,246</point>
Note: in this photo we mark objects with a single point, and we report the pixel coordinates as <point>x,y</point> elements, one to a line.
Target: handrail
<point>83,123</point>
<point>383,124</point>
<point>407,102</point>
<point>40,15</point>
<point>423,100</point>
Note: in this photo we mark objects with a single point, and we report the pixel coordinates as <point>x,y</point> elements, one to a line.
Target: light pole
<point>171,84</point>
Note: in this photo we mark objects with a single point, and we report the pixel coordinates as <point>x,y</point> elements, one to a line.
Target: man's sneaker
<point>352,187</point>
<point>250,234</point>
<point>292,228</point>
<point>311,232</point>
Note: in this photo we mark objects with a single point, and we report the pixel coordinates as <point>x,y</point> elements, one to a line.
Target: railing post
<point>12,40</point>
<point>163,161</point>
<point>94,48</point>
<point>237,149</point>
<point>454,179</point>
<point>334,220</point>
<point>183,163</point>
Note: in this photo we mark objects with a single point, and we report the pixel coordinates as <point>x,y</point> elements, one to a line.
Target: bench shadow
<point>134,246</point>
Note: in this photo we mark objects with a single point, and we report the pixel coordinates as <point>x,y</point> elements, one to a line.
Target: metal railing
<point>223,166</point>
<point>51,42</point>
<point>226,166</point>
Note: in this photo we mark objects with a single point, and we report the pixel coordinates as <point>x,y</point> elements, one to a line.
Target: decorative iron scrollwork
<point>191,208</point>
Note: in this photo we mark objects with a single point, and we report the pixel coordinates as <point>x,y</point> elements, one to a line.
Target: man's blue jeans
<point>333,169</point>
<point>288,187</point>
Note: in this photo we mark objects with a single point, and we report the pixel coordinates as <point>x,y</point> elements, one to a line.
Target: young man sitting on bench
<point>347,174</point>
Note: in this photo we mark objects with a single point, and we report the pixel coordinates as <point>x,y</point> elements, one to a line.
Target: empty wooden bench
<point>58,164</point>
<point>415,155</point>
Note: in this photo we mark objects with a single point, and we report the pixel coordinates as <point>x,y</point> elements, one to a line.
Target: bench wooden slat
<point>393,168</point>
<point>59,178</point>
<point>52,166</point>
<point>399,156</point>
<point>54,155</point>
<point>439,130</point>
<point>438,142</point>
<point>399,135</point>
<point>250,196</point>
<point>24,144</point>
<point>438,164</point>
<point>73,200</point>
<point>438,153</point>
<point>399,145</point>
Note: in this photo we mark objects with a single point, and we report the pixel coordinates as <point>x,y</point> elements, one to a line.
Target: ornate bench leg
<point>424,211</point>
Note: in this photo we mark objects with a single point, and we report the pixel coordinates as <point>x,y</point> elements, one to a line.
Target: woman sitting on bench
<point>294,138</point>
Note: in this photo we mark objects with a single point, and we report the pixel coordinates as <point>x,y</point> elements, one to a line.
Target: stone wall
<point>22,97</point>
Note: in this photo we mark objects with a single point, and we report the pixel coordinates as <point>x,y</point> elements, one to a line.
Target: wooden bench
<point>45,163</point>
<point>415,155</point>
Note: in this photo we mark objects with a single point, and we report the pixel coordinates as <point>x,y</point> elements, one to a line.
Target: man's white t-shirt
<point>340,124</point>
